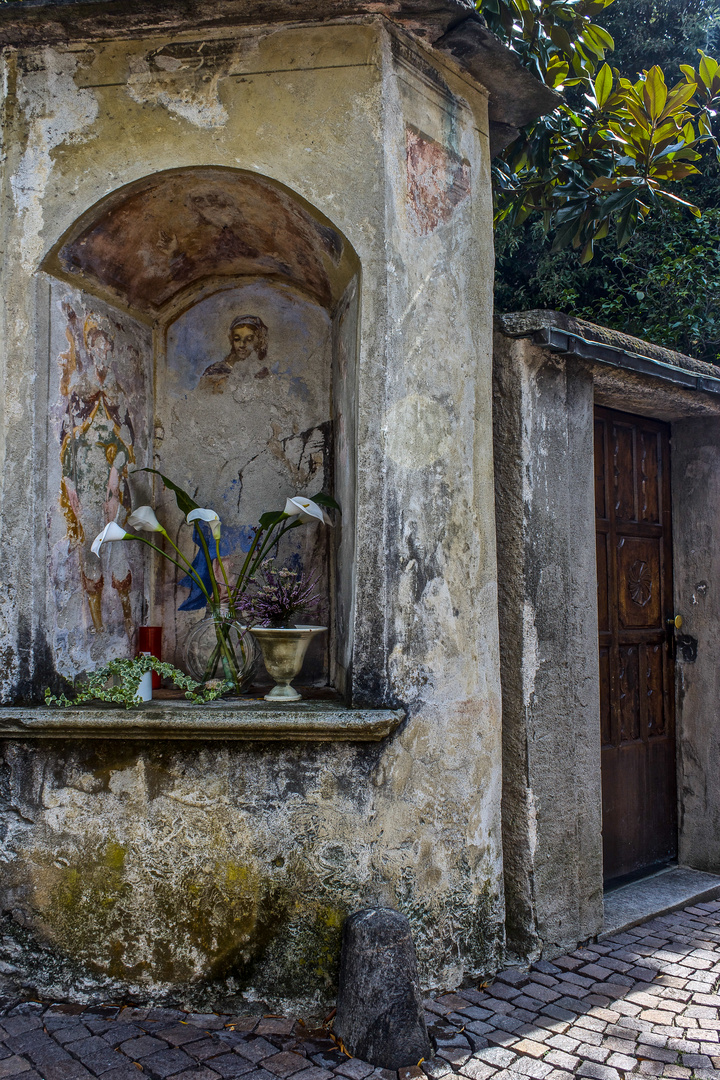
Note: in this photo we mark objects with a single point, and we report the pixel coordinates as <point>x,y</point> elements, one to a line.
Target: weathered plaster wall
<point>696,557</point>
<point>176,868</point>
<point>543,421</point>
<point>166,867</point>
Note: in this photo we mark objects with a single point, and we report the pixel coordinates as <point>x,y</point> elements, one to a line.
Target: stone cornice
<point>255,721</point>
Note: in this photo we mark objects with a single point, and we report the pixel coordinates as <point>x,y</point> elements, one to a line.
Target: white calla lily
<point>209,516</point>
<point>112,531</point>
<point>144,518</point>
<point>306,509</point>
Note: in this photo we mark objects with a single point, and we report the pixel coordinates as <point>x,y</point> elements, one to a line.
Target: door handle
<point>675,622</point>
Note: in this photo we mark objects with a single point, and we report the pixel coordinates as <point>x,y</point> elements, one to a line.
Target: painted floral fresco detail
<point>100,406</point>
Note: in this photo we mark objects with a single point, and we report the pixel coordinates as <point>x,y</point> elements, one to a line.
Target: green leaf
<point>654,92</point>
<point>557,71</point>
<point>677,99</point>
<point>626,225</point>
<point>694,210</point>
<point>603,84</point>
<point>707,68</point>
<point>603,35</point>
<point>587,253</point>
<point>271,518</point>
<point>185,503</point>
<point>326,500</point>
<point>560,37</point>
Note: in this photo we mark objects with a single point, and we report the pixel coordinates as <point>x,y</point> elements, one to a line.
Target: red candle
<point>150,640</point>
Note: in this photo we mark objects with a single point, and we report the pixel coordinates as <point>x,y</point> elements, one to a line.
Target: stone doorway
<point>550,373</point>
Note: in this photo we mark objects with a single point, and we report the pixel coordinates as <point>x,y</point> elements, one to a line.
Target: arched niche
<point>203,321</point>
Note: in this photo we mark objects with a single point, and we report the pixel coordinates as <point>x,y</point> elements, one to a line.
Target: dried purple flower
<point>281,597</point>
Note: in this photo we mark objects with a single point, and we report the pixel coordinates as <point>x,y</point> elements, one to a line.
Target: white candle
<point>144,690</point>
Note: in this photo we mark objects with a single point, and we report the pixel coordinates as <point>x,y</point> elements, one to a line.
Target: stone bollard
<point>380,1016</point>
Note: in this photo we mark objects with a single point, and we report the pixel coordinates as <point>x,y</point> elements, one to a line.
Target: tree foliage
<point>659,281</point>
<point>663,32</point>
<point>664,285</point>
<point>616,154</point>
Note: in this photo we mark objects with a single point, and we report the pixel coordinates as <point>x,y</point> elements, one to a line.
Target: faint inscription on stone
<point>438,180</point>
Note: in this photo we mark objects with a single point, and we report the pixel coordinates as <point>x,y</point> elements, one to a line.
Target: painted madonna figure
<point>248,335</point>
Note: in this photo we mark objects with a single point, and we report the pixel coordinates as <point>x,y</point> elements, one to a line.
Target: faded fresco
<point>438,180</point>
<point>98,421</point>
<point>242,421</point>
<point>177,229</point>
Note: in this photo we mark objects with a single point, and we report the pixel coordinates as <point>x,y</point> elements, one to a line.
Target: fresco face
<point>248,339</point>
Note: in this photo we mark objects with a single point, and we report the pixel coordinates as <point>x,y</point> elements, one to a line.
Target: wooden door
<point>635,598</point>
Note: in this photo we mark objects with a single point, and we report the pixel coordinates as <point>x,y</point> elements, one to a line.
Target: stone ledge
<point>259,721</point>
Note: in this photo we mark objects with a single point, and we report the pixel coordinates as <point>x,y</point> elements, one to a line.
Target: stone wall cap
<point>539,324</point>
<point>451,27</point>
<point>256,721</point>
<point>38,18</point>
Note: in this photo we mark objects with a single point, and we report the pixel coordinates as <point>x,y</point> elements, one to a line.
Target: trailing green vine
<point>118,682</point>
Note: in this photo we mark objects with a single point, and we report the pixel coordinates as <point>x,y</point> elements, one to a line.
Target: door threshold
<point>639,875</point>
<point>659,894</point>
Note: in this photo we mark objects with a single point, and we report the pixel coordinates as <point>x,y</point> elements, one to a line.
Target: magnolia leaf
<point>707,68</point>
<point>675,171</point>
<point>563,236</point>
<point>603,84</point>
<point>185,503</point>
<point>560,37</point>
<point>694,210</point>
<point>637,113</point>
<point>626,225</point>
<point>654,92</point>
<point>523,213</point>
<point>587,253</point>
<point>601,33</point>
<point>678,98</point>
<point>557,71</point>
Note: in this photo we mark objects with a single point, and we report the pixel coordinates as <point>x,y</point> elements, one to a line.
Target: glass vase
<point>220,647</point>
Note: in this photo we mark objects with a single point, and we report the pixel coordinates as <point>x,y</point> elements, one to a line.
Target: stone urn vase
<point>283,650</point>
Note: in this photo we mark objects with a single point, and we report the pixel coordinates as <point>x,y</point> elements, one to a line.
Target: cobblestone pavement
<point>644,1002</point>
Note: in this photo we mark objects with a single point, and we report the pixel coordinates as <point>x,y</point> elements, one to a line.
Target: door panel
<point>634,566</point>
<point>639,587</point>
